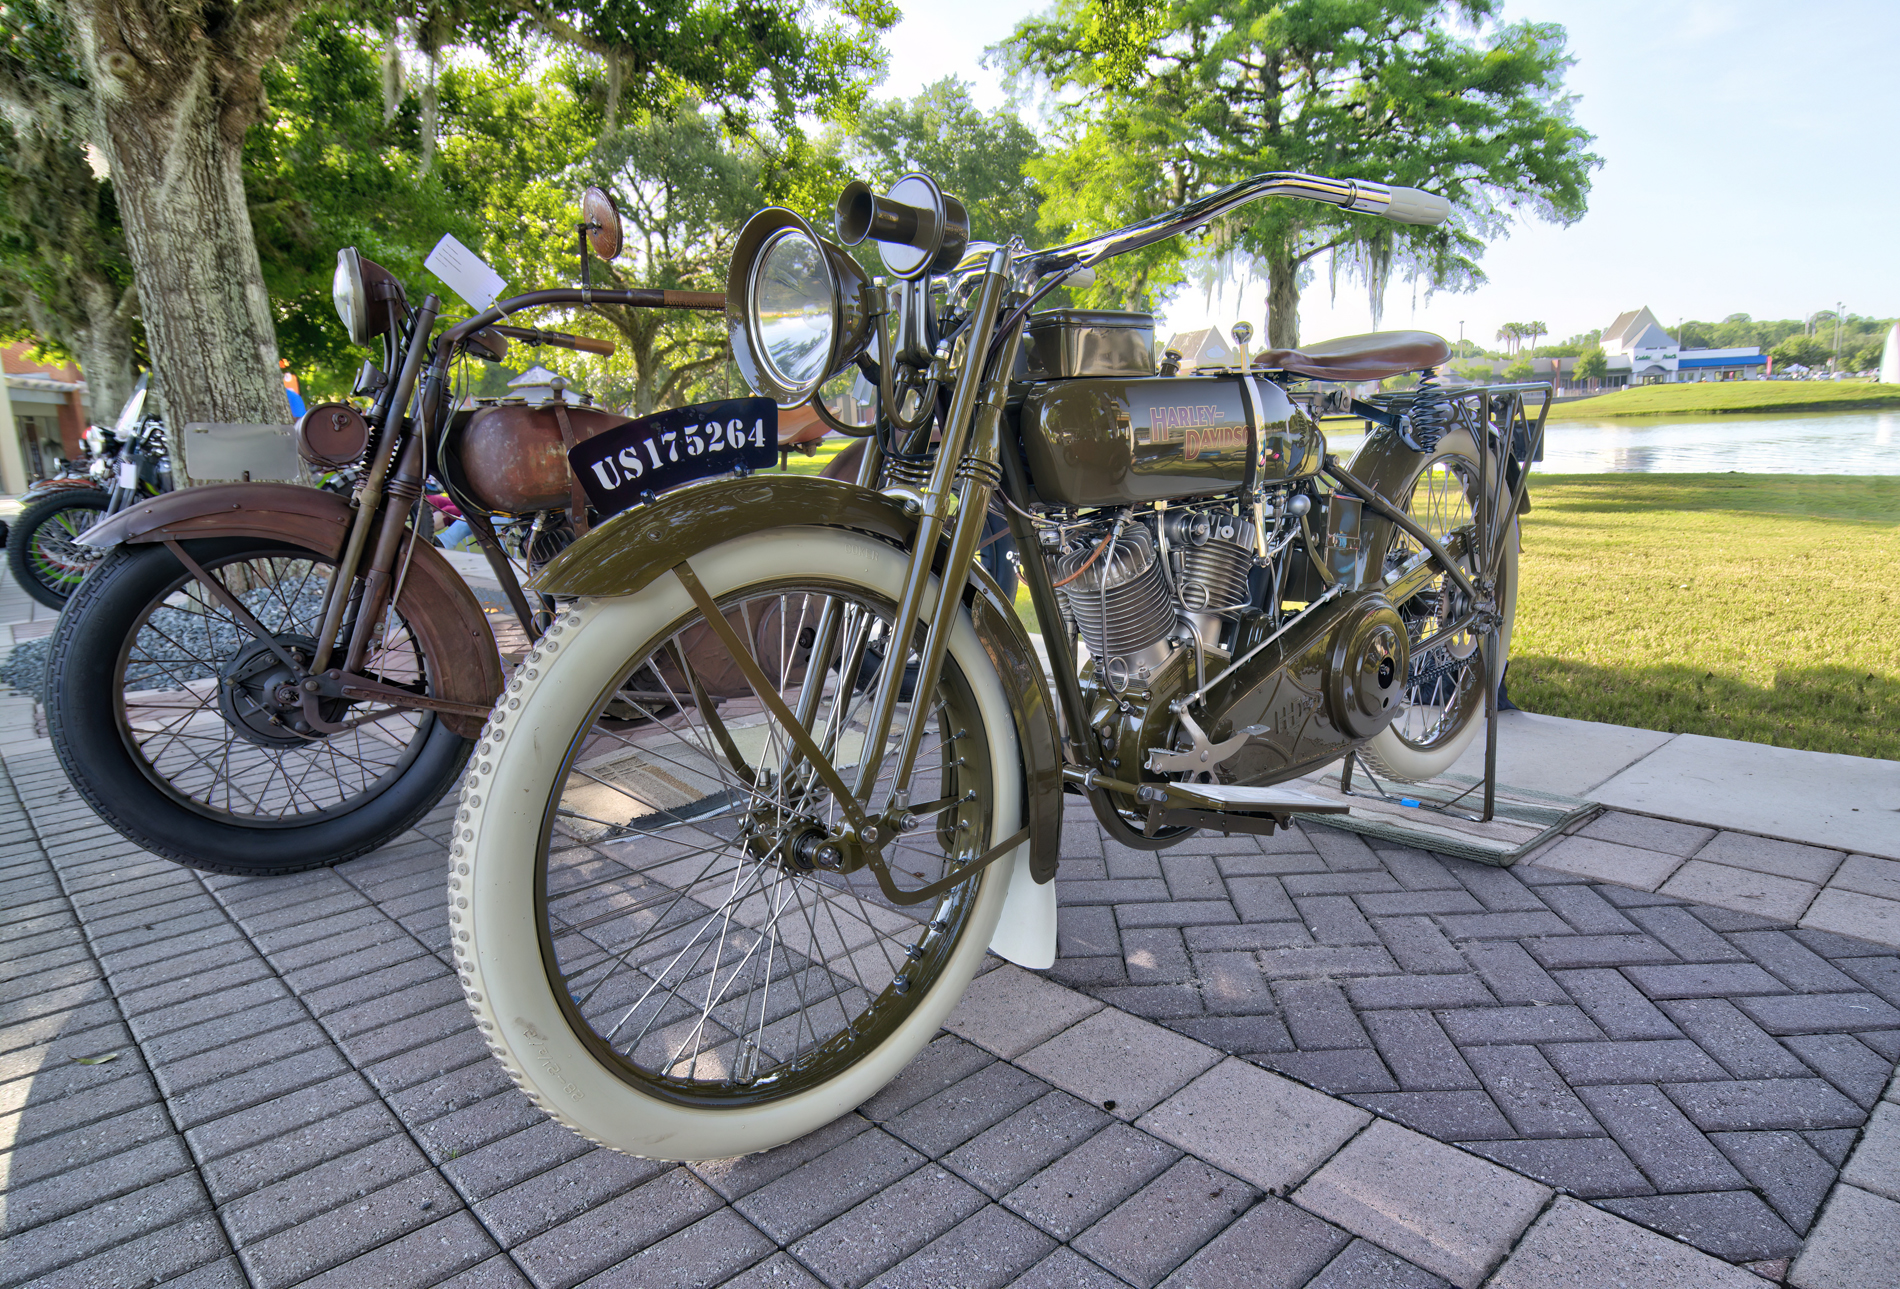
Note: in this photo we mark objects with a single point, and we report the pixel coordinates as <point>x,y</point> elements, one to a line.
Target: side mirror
<point>599,227</point>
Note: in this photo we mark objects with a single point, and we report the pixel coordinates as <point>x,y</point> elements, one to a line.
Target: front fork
<point>966,463</point>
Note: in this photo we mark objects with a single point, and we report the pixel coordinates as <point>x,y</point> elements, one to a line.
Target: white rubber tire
<point>1387,754</point>
<point>492,904</point>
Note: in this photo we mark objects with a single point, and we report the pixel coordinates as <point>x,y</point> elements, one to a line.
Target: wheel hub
<point>261,698</point>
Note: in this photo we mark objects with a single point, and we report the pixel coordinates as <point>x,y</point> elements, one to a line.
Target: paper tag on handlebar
<point>666,449</point>
<point>466,273</point>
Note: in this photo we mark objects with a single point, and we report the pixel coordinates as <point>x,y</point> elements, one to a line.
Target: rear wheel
<point>1443,701</point>
<point>653,925</point>
<point>43,549</point>
<point>181,728</point>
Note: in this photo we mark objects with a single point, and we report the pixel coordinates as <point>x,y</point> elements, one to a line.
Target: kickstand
<point>1345,774</point>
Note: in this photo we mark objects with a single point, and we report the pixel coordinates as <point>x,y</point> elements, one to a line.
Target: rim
<point>190,730</point>
<point>1443,684</point>
<point>54,554</point>
<point>687,943</point>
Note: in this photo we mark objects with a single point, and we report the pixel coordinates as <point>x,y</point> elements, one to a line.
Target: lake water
<point>1788,443</point>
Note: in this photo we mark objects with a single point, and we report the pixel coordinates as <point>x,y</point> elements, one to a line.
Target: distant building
<point>1650,356</point>
<point>1641,351</point>
<point>1204,348</point>
<point>43,413</point>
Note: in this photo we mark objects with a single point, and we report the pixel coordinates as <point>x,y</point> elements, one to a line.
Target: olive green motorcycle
<point>787,763</point>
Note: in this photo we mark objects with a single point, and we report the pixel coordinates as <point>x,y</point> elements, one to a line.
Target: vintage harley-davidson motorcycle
<point>264,677</point>
<point>787,763</point>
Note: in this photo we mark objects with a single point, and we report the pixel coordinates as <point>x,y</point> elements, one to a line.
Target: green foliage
<point>65,273</point>
<point>760,63</point>
<point>323,170</point>
<point>1593,364</point>
<point>978,157</point>
<point>1216,90</point>
<point>1807,351</point>
<point>1521,370</point>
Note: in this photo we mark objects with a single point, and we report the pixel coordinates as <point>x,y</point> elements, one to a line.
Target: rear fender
<point>436,602</point>
<point>625,553</point>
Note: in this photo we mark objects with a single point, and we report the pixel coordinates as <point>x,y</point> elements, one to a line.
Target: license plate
<point>642,458</point>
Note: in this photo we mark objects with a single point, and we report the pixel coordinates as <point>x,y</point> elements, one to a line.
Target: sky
<point>1749,167</point>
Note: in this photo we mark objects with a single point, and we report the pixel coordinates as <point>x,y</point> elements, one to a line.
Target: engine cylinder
<point>1121,604</point>
<point>1214,576</point>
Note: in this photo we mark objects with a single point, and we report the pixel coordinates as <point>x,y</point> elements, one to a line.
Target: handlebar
<point>640,298</point>
<point>1401,205</point>
<point>535,336</point>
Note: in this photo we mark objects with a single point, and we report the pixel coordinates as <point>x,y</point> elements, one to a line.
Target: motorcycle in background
<point>128,462</point>
<point>264,677</point>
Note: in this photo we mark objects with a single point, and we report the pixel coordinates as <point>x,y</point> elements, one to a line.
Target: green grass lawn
<point>1732,396</point>
<point>828,447</point>
<point>1754,607</point>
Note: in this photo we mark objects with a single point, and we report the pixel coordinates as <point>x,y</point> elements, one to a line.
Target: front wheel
<point>187,733</point>
<point>43,549</point>
<point>653,928</point>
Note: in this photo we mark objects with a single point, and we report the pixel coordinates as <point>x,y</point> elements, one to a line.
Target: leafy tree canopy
<point>1217,90</point>
<point>978,157</point>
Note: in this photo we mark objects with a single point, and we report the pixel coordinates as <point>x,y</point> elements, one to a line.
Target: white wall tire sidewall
<point>498,834</point>
<point>1399,760</point>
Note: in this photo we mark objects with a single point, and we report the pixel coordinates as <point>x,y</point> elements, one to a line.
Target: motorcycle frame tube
<point>930,529</point>
<point>629,550</point>
<point>435,601</point>
<point>369,496</point>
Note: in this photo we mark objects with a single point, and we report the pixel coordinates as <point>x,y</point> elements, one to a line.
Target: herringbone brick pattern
<point>1700,1071</point>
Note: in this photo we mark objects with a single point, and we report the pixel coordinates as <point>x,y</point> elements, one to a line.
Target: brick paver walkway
<point>1698,1070</point>
<point>297,1094</point>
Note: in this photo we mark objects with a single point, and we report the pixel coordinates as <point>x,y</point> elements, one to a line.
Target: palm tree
<point>1511,333</point>
<point>1534,330</point>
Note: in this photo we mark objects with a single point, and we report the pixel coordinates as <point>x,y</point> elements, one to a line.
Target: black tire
<point>40,547</point>
<point>153,760</point>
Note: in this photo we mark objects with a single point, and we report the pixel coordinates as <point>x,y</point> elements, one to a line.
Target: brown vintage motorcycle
<point>263,678</point>
<point>787,763</point>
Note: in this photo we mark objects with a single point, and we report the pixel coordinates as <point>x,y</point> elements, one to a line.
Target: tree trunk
<point>1283,301</point>
<point>175,87</point>
<point>105,352</point>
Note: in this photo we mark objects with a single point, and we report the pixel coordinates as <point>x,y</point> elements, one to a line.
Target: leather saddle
<point>1377,356</point>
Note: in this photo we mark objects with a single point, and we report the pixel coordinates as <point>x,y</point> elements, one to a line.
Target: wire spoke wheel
<point>43,544</point>
<point>703,932</point>
<point>213,715</point>
<point>1443,696</point>
<point>189,732</point>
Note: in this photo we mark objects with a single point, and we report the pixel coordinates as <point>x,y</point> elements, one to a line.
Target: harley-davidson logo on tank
<point>1198,427</point>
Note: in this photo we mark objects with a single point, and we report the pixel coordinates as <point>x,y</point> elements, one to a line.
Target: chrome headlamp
<point>347,289</point>
<point>795,307</point>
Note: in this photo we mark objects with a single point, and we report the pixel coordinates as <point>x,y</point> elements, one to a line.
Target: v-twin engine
<point>1138,588</point>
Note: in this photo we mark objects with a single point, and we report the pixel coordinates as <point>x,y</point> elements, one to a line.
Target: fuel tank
<point>509,458</point>
<point>1120,442</point>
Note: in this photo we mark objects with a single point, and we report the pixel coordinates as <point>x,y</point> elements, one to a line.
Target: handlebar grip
<point>1414,206</point>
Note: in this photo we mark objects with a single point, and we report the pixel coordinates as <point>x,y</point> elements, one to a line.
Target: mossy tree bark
<point>175,86</point>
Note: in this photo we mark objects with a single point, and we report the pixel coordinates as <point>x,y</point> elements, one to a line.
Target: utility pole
<point>1837,334</point>
<point>1461,337</point>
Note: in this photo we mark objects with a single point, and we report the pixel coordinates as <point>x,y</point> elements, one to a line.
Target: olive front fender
<point>625,553</point>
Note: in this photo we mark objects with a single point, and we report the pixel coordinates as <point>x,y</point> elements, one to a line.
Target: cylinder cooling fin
<point>1116,593</point>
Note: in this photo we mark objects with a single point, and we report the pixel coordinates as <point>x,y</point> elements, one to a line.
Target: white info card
<point>467,274</point>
